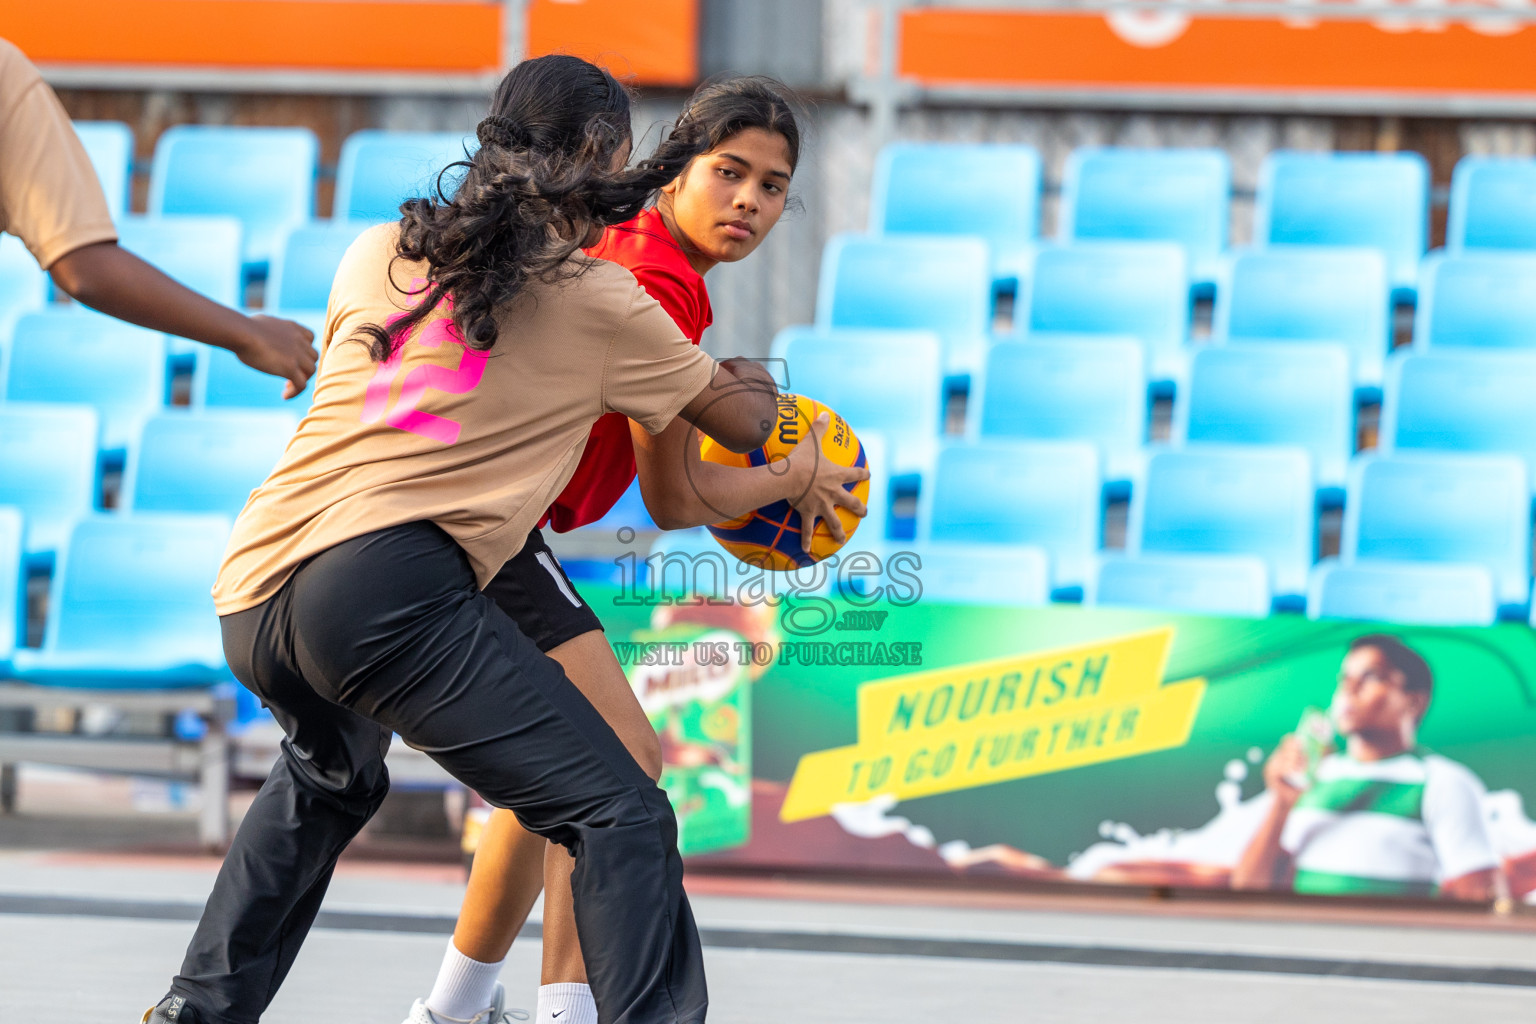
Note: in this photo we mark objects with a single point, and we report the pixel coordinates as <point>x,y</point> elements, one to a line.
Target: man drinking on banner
<point>1382,816</point>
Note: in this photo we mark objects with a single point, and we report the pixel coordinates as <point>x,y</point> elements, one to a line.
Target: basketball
<point>770,537</point>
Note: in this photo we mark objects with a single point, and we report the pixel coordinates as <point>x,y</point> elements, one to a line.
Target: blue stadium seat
<point>13,598</point>
<point>911,282</point>
<point>1047,494</point>
<point>202,253</point>
<point>1299,294</point>
<point>1286,394</point>
<point>1461,400</point>
<point>1056,387</point>
<point>1378,200</point>
<point>221,381</point>
<point>947,572</point>
<point>1203,584</point>
<point>265,177</point>
<point>203,462</point>
<point>48,467</point>
<point>1230,500</point>
<point>306,261</point>
<point>109,144</point>
<point>131,606</point>
<point>896,388</point>
<point>879,459</point>
<point>1477,300</point>
<point>1402,593</point>
<point>23,284</point>
<point>379,170</point>
<point>987,189</point>
<point>1423,507</point>
<point>1493,204</point>
<point>1150,195</point>
<point>1127,288</point>
<point>84,357</point>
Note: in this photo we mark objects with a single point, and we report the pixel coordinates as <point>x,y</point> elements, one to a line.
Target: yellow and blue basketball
<point>770,537</point>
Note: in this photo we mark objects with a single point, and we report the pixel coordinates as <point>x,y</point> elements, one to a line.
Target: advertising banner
<point>261,35</point>
<point>1460,48</point>
<point>1091,744</point>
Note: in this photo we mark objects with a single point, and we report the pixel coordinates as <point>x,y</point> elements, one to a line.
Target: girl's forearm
<point>682,490</point>
<point>114,281</point>
<point>709,493</point>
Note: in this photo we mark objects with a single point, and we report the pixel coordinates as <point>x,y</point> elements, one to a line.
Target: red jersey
<point>645,248</point>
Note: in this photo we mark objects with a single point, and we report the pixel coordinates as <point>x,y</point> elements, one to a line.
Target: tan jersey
<point>477,442</point>
<point>49,195</point>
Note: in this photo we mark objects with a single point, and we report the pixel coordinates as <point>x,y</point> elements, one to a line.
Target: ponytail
<point>539,183</point>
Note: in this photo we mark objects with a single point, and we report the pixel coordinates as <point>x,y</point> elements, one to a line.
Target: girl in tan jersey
<point>468,350</point>
<point>719,209</point>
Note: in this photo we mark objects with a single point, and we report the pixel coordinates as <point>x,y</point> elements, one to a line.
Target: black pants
<point>534,591</point>
<point>388,632</point>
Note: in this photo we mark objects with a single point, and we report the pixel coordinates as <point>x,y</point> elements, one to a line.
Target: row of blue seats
<point>75,356</point>
<point>1202,498</point>
<point>1218,502</point>
<point>1183,196</point>
<point>203,253</point>
<point>1088,390</point>
<point>1044,387</point>
<point>1070,387</point>
<point>1019,575</point>
<point>1220,499</point>
<point>1280,293</point>
<point>265,177</point>
<point>129,604</point>
<point>177,461</point>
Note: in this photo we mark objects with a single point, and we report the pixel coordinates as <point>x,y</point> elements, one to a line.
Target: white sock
<point>464,987</point>
<point>566,1004</point>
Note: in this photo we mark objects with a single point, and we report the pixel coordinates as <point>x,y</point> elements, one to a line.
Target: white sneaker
<point>493,1014</point>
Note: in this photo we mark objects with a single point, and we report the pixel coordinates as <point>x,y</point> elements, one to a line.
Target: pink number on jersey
<point>458,381</point>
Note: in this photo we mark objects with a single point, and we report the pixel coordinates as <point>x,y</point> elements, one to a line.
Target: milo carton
<point>691,683</point>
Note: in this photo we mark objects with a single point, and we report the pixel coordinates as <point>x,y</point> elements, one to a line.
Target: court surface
<point>95,936</point>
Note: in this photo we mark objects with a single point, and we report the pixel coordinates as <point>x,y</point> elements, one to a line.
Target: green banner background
<point>1261,675</point>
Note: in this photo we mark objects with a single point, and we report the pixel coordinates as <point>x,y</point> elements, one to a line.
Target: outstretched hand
<point>282,348</point>
<point>824,491</point>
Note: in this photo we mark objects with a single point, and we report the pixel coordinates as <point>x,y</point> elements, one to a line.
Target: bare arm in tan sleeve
<point>51,200</point>
<point>737,406</point>
<point>111,279</point>
<point>682,490</point>
<point>653,374</point>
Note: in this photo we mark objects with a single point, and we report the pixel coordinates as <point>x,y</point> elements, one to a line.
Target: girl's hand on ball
<point>819,484</point>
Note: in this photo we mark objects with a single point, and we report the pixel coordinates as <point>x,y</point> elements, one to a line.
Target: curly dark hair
<point>728,104</point>
<point>541,180</point>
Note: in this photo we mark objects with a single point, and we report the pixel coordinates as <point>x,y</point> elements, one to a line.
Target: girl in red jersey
<point>718,210</point>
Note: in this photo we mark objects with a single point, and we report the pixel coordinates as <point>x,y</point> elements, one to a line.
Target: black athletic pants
<point>388,632</point>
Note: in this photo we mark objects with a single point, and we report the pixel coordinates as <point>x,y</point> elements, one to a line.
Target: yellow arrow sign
<point>1008,718</point>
